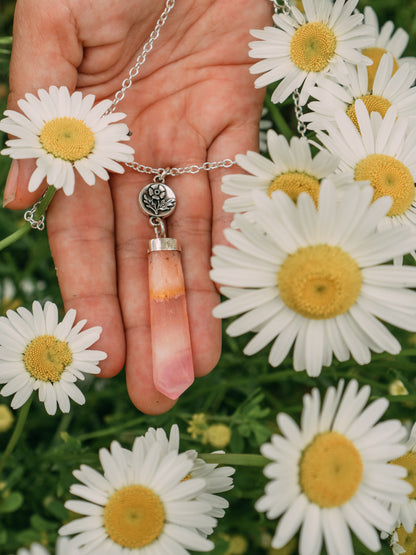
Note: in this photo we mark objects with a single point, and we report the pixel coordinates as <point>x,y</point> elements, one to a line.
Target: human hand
<point>193,101</point>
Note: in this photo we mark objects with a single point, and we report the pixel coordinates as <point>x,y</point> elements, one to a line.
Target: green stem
<point>278,119</point>
<point>17,432</point>
<point>235,459</point>
<point>14,236</point>
<point>44,202</point>
<point>39,212</point>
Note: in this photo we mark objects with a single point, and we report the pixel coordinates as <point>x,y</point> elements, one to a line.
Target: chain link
<point>134,71</point>
<point>284,8</point>
<point>28,216</point>
<point>299,113</point>
<point>194,168</point>
<point>127,83</point>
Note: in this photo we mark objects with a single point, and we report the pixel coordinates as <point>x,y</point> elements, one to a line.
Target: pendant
<point>173,370</point>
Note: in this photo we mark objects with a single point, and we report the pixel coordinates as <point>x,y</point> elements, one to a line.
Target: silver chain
<point>28,216</point>
<point>141,58</point>
<point>194,168</point>
<point>299,113</point>
<point>127,83</point>
<point>284,8</point>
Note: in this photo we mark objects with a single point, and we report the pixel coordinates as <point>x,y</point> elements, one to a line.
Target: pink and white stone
<point>173,370</point>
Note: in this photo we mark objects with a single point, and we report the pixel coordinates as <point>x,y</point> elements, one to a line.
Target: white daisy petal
<point>150,481</point>
<point>336,249</point>
<point>66,132</point>
<point>321,479</point>
<point>35,354</point>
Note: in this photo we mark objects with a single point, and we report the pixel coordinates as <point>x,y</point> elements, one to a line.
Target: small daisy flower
<point>382,151</point>
<point>39,354</point>
<point>291,170</point>
<point>330,474</point>
<point>387,90</point>
<point>64,133</point>
<point>34,549</point>
<point>62,548</point>
<point>384,40</point>
<point>405,514</point>
<point>314,278</point>
<point>302,47</point>
<point>149,500</point>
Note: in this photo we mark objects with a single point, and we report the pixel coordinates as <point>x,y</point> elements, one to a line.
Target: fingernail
<point>11,184</point>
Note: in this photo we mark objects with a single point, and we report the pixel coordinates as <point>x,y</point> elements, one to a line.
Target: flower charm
<point>64,132</point>
<point>38,353</point>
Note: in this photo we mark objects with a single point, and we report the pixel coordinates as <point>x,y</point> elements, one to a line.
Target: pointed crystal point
<point>173,370</point>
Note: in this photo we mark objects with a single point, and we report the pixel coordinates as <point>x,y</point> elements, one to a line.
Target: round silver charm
<point>157,199</point>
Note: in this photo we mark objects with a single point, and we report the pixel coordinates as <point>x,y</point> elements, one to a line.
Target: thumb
<point>45,52</point>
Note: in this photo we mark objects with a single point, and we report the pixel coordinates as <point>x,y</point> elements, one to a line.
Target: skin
<point>193,100</point>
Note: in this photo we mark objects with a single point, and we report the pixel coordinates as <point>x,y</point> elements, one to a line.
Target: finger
<point>191,225</point>
<point>132,234</point>
<point>234,140</point>
<point>50,35</point>
<point>81,237</point>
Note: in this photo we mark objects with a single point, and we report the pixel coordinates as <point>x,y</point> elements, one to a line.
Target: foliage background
<point>244,393</point>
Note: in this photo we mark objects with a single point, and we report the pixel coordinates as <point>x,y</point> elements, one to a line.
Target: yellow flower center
<point>218,435</point>
<point>134,517</point>
<point>388,177</point>
<point>319,282</point>
<point>312,46</point>
<point>67,138</point>
<point>331,469</point>
<point>295,183</point>
<point>407,541</point>
<point>408,460</point>
<point>373,103</point>
<point>375,53</point>
<point>46,357</point>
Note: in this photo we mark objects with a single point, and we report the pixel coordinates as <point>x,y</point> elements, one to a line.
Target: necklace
<point>173,370</point>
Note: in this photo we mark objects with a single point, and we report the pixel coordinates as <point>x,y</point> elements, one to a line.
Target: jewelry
<point>173,370</point>
<point>171,345</point>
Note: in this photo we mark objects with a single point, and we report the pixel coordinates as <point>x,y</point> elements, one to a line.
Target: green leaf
<point>11,503</point>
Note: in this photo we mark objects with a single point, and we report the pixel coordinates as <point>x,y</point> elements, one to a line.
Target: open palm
<point>193,101</point>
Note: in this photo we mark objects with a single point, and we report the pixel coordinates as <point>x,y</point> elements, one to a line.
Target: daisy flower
<point>382,151</point>
<point>39,354</point>
<point>149,500</point>
<point>384,40</point>
<point>387,90</point>
<point>64,133</point>
<point>291,170</point>
<point>330,474</point>
<point>405,514</point>
<point>304,46</point>
<point>62,548</point>
<point>314,278</point>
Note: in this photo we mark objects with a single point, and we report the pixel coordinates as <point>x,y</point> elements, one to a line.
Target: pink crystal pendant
<point>173,370</point>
